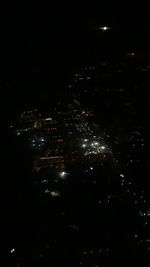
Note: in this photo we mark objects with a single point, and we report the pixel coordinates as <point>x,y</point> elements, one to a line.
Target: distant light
<point>47,191</point>
<point>83,145</point>
<point>148,212</point>
<point>91,168</point>
<point>12,250</point>
<point>121,175</point>
<point>102,147</point>
<point>96,143</point>
<point>48,119</point>
<point>104,28</point>
<point>55,193</point>
<point>63,174</point>
<point>131,54</point>
<point>85,140</point>
<point>44,181</point>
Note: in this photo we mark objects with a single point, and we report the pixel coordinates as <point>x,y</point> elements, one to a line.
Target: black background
<point>42,43</point>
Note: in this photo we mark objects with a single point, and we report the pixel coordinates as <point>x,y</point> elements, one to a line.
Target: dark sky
<point>55,36</point>
<point>32,32</point>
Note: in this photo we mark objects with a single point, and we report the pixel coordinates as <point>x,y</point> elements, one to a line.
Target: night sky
<point>42,43</point>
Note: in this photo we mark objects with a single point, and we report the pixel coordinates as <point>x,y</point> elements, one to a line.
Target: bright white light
<point>84,145</point>
<point>63,174</point>
<point>48,119</point>
<point>103,147</point>
<point>104,28</point>
<point>91,168</point>
<point>85,140</point>
<point>12,250</point>
<point>96,143</point>
<point>121,175</point>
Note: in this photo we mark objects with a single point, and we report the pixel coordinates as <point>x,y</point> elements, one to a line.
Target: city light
<point>47,191</point>
<point>44,181</point>
<point>54,193</point>
<point>80,174</point>
<point>96,143</point>
<point>12,250</point>
<point>131,54</point>
<point>63,174</point>
<point>83,145</point>
<point>48,119</point>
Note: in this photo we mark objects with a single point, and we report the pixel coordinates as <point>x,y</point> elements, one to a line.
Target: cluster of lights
<point>145,213</point>
<point>106,200</point>
<point>21,131</point>
<point>74,227</point>
<point>96,149</point>
<point>45,181</point>
<point>52,193</point>
<point>98,251</point>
